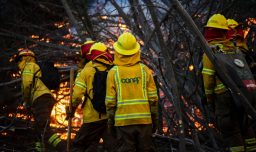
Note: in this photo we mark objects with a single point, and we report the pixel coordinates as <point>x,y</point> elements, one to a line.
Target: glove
<point>26,103</point>
<point>70,114</point>
<point>111,127</point>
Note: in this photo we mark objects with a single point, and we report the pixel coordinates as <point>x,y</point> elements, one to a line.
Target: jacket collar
<point>126,60</point>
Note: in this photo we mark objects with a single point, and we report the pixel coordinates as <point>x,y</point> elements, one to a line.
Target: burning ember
<point>104,17</point>
<point>59,24</point>
<point>34,36</point>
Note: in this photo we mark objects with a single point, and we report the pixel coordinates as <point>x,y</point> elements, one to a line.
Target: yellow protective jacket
<point>29,71</point>
<point>131,95</point>
<point>83,84</point>
<point>212,84</point>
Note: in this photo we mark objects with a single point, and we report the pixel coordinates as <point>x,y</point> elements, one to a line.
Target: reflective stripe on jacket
<point>131,92</point>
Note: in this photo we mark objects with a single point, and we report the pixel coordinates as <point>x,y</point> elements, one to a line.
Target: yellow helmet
<point>26,52</point>
<point>217,21</point>
<point>98,46</point>
<point>127,44</point>
<point>232,23</point>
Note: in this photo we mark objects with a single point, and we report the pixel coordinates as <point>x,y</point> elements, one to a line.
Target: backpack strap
<point>33,82</point>
<point>96,69</point>
<point>34,77</point>
<point>37,72</point>
<point>86,94</point>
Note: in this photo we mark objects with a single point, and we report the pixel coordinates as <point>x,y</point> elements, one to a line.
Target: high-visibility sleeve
<point>111,101</point>
<point>79,88</point>
<point>152,92</point>
<point>208,75</point>
<point>27,80</point>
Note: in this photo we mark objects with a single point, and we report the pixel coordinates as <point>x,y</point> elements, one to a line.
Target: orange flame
<point>34,36</point>
<point>58,115</point>
<point>59,24</point>
<point>104,17</point>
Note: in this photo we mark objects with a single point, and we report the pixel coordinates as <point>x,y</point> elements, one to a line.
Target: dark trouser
<point>136,138</point>
<point>232,121</point>
<point>87,138</point>
<point>41,109</point>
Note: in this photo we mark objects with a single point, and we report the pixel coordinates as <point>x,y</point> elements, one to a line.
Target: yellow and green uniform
<point>212,83</point>
<point>228,119</point>
<point>30,73</point>
<point>250,144</point>
<point>131,92</point>
<point>83,85</point>
<point>36,94</point>
<point>94,123</point>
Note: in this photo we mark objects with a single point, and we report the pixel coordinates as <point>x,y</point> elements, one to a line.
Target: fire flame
<point>250,21</point>
<point>59,24</point>
<point>58,115</point>
<point>34,36</point>
<point>104,17</point>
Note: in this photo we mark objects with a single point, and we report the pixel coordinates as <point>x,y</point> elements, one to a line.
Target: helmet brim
<point>123,51</point>
<point>219,27</point>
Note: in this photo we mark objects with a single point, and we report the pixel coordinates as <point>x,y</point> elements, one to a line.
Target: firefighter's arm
<point>27,80</point>
<point>152,94</point>
<point>79,90</point>
<point>152,98</point>
<point>208,73</point>
<point>110,100</point>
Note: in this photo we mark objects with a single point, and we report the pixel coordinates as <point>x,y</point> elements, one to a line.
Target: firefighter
<point>94,124</point>
<point>236,35</point>
<point>39,99</point>
<point>131,98</point>
<point>85,59</point>
<point>229,116</point>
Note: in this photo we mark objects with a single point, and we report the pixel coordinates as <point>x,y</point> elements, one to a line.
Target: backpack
<point>238,68</point>
<point>50,75</point>
<point>99,90</point>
